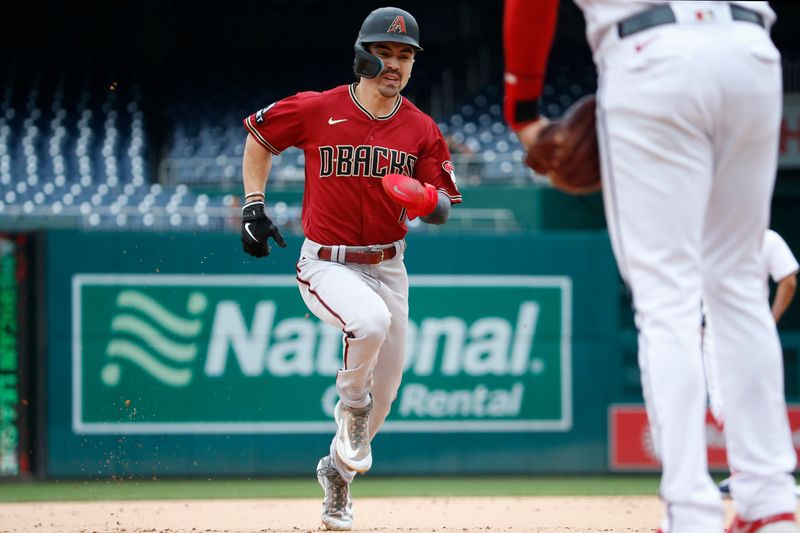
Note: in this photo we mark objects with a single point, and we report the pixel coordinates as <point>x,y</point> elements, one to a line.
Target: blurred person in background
<point>778,263</point>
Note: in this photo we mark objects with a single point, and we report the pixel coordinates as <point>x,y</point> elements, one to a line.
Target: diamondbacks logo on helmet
<point>398,25</point>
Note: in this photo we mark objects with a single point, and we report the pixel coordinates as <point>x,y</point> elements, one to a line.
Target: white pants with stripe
<point>370,305</point>
<point>688,119</point>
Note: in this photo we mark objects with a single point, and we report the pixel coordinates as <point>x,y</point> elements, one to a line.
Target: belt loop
<point>338,254</point>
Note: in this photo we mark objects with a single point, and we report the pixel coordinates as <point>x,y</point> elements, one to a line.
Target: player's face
<point>398,58</point>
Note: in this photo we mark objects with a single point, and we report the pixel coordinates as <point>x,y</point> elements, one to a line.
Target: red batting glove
<point>419,199</point>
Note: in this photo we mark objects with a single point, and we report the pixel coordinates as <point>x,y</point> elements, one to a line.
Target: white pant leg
<point>747,349</point>
<point>657,168</point>
<point>711,366</point>
<point>368,303</point>
<point>388,372</point>
<point>345,297</point>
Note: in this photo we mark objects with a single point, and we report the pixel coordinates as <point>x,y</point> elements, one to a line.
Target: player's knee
<point>374,326</point>
<point>670,304</point>
<point>378,324</point>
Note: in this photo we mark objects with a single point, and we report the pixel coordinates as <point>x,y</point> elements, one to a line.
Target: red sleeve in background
<point>528,29</point>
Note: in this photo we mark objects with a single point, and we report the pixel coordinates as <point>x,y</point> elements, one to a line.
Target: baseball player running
<point>688,114</point>
<point>778,263</point>
<point>372,161</point>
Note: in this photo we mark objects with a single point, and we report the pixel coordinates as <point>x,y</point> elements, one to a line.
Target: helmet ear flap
<point>365,64</point>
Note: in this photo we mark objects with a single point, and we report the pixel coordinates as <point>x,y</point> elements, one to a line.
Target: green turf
<point>137,489</point>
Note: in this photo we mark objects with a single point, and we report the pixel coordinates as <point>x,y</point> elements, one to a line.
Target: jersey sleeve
<point>279,125</point>
<point>435,167</point>
<point>778,258</point>
<point>528,30</point>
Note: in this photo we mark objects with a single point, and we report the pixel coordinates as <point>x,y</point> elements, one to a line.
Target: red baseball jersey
<point>347,152</point>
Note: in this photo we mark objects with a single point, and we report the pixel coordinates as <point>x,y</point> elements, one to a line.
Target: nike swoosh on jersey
<point>332,122</point>
<point>247,229</point>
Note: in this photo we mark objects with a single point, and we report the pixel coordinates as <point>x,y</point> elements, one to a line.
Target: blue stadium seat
<point>66,145</point>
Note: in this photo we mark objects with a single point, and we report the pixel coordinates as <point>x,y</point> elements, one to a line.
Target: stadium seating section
<point>79,151</point>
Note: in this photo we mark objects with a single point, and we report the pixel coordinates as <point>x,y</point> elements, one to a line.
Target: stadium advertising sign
<point>189,354</point>
<point>631,446</point>
<point>790,132</point>
<point>9,368</point>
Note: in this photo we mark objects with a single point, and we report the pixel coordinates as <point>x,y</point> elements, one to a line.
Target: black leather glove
<point>256,229</point>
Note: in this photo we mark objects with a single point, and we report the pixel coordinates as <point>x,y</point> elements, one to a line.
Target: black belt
<point>663,14</point>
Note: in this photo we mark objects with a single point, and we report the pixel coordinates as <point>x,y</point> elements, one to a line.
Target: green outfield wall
<point>179,355</point>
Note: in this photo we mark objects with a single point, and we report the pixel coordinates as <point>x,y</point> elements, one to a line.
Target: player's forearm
<point>784,294</point>
<point>256,164</point>
<point>440,213</point>
<point>528,29</point>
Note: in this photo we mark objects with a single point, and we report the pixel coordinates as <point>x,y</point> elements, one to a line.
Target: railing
<point>216,218</point>
<point>156,218</point>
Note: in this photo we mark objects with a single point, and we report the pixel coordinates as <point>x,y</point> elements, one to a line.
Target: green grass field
<point>137,489</point>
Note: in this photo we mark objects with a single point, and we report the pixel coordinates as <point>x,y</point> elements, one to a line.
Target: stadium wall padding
<point>179,355</point>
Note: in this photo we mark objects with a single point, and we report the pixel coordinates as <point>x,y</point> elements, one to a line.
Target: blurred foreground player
<point>688,112</point>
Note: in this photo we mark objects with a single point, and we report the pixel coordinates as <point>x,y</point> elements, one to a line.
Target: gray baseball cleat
<point>337,508</point>
<point>352,436</point>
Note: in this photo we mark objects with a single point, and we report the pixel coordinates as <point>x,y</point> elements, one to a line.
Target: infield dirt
<point>437,514</point>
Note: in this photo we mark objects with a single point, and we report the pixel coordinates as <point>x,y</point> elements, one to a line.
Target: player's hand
<point>256,230</point>
<point>418,199</point>
<point>566,150</point>
<point>529,133</point>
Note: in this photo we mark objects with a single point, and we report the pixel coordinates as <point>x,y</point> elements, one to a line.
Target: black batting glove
<point>256,229</point>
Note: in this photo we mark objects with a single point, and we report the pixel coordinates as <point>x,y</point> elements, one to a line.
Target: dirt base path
<point>442,515</point>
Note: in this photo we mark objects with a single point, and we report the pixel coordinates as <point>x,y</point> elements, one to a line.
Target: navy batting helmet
<point>384,24</point>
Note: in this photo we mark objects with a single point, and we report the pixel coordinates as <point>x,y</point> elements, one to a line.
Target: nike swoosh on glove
<point>418,198</point>
<point>256,230</point>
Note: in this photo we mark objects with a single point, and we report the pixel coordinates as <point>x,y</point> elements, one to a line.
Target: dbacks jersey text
<point>347,151</point>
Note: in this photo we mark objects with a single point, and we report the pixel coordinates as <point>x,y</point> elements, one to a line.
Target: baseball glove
<point>566,150</point>
<point>418,198</point>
